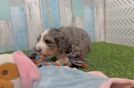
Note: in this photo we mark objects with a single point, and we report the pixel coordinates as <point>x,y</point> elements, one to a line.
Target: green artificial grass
<point>113,60</point>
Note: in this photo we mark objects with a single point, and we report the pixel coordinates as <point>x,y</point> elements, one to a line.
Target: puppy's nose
<point>37,49</point>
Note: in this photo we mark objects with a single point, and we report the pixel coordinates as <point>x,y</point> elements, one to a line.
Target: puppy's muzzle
<point>37,49</point>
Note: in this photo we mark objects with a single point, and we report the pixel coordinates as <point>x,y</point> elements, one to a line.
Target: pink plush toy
<point>17,71</point>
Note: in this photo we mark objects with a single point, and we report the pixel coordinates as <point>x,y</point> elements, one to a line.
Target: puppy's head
<point>51,42</point>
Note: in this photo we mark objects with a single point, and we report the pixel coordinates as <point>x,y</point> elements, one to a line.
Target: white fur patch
<point>46,31</point>
<point>6,58</point>
<point>17,83</point>
<point>41,44</point>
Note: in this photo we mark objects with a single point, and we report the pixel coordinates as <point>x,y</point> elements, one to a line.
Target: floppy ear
<point>62,42</point>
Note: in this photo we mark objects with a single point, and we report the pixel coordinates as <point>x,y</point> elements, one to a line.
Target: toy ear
<point>27,69</point>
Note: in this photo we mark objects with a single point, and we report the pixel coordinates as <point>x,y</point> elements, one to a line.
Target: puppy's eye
<point>48,41</point>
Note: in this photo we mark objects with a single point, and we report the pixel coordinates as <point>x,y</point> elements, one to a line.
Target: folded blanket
<point>62,77</point>
<point>113,82</point>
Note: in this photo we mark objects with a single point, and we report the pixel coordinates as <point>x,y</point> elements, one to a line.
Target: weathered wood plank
<point>34,21</point>
<point>78,13</point>
<point>4,10</point>
<point>5,36</point>
<point>65,12</point>
<point>89,21</point>
<point>99,20</point>
<point>78,22</point>
<point>19,27</point>
<point>50,11</point>
<point>78,7</point>
<point>16,2</point>
<point>88,2</point>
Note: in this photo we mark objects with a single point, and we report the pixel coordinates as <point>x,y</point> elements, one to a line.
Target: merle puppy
<point>69,44</point>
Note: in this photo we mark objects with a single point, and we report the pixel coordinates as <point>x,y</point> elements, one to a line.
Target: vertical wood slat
<point>50,11</point>
<point>15,3</point>
<point>89,18</point>
<point>65,12</point>
<point>99,20</point>
<point>5,36</point>
<point>78,13</point>
<point>78,22</point>
<point>77,8</point>
<point>4,10</point>
<point>88,2</point>
<point>34,21</point>
<point>19,27</point>
<point>89,21</point>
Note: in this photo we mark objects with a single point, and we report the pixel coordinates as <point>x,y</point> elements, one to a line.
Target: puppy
<point>69,44</point>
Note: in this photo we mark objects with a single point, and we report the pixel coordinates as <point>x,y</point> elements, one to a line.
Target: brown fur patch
<point>9,71</point>
<point>6,84</point>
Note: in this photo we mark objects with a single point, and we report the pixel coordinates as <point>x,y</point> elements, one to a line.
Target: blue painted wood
<point>6,48</point>
<point>88,2</point>
<point>89,21</point>
<point>4,10</point>
<point>77,7</point>
<point>19,27</point>
<point>50,12</point>
<point>5,36</point>
<point>16,2</point>
<point>2,49</point>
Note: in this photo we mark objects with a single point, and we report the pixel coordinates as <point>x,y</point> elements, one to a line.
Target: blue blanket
<point>61,77</point>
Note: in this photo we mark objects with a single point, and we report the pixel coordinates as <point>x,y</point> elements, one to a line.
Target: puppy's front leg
<point>63,60</point>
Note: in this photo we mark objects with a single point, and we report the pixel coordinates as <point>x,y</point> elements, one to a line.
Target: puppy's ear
<point>62,42</point>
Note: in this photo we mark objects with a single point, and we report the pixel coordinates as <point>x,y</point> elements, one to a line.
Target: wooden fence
<point>21,21</point>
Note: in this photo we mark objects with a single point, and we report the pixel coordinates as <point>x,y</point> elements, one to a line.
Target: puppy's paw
<point>85,66</point>
<point>58,63</point>
<point>47,63</point>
